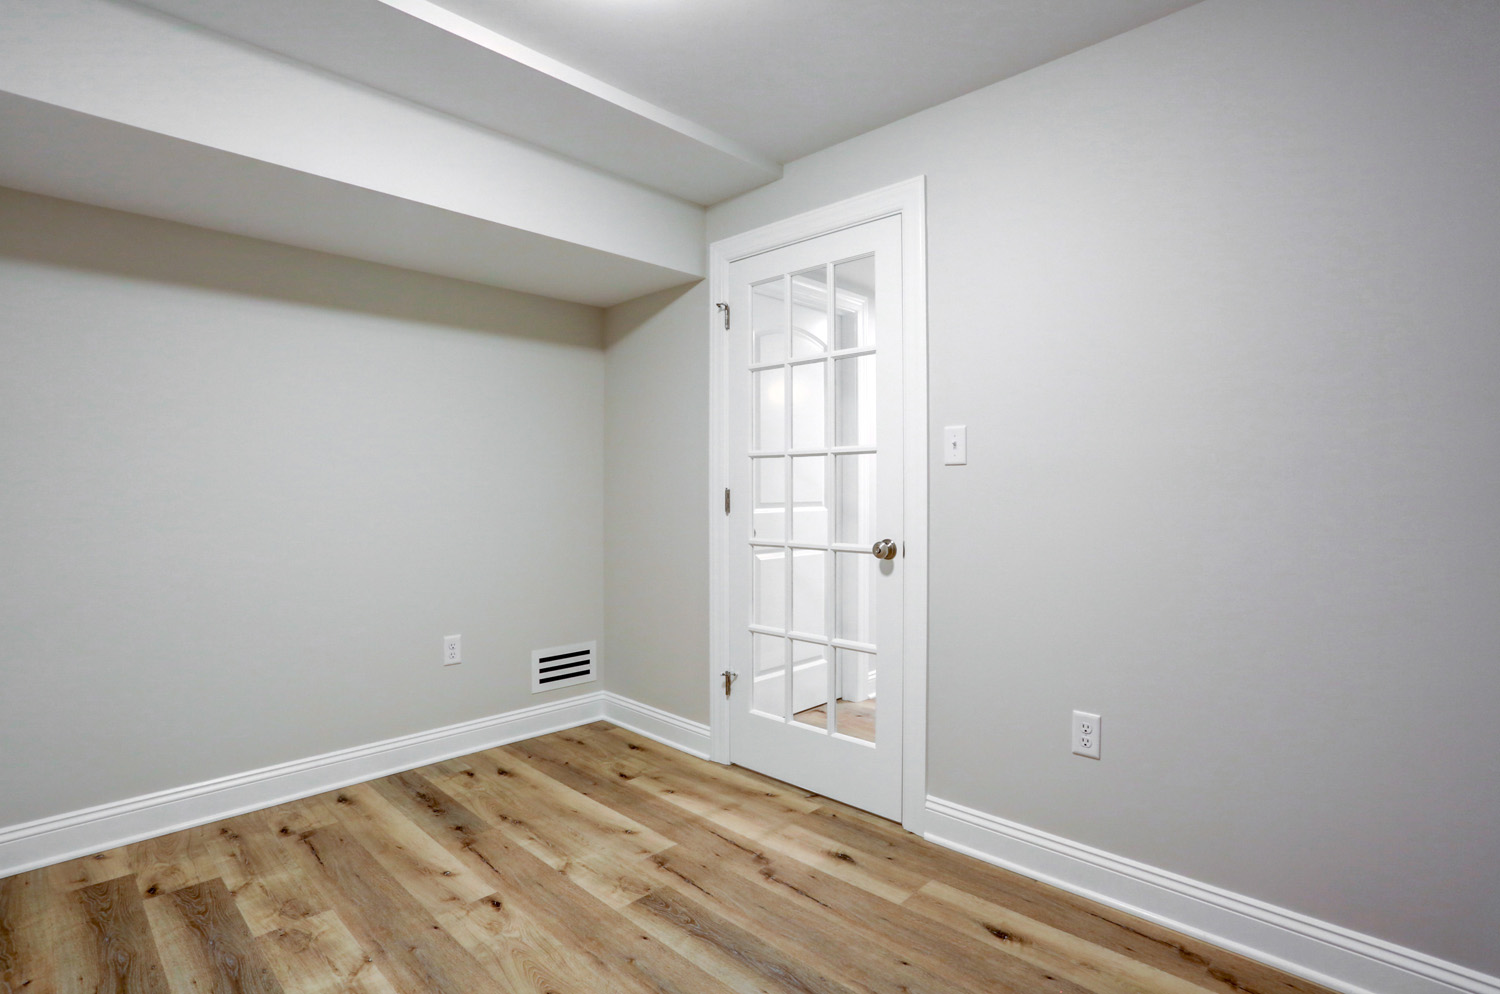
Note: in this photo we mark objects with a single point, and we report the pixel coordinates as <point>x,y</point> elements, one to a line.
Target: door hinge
<point>726,500</point>
<point>724,308</point>
<point>729,678</point>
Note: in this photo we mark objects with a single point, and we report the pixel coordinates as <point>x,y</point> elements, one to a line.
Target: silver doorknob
<point>884,549</point>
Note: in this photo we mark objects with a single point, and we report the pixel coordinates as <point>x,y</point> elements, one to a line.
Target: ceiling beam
<point>426,53</point>
<point>112,104</point>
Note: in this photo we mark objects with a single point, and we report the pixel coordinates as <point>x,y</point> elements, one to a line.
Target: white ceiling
<point>789,77</point>
<point>701,99</point>
<point>113,104</point>
<point>562,147</point>
<point>431,56</point>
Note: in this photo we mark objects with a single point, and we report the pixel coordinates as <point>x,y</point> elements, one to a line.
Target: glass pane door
<point>813,465</point>
<point>813,455</point>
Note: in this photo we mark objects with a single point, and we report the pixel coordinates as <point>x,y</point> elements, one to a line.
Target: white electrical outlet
<point>452,649</point>
<point>1086,729</point>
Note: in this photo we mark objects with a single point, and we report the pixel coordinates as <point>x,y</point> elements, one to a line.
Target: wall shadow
<point>67,234</point>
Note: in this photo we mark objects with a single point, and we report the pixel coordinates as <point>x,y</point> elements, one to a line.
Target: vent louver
<point>562,666</point>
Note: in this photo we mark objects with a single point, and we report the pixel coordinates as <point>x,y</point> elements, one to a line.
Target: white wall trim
<point>691,737</point>
<point>105,826</point>
<point>908,200</point>
<point>1319,951</point>
<point>81,833</point>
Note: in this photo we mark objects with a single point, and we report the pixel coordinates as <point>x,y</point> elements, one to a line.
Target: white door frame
<point>908,200</point>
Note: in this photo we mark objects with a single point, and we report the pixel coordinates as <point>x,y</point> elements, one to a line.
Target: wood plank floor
<point>856,718</point>
<point>591,860</point>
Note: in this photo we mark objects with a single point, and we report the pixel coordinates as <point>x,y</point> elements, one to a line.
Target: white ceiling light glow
<point>788,77</point>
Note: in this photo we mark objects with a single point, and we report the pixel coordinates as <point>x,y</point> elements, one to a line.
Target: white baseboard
<point>1328,954</point>
<point>687,736</point>
<point>81,833</point>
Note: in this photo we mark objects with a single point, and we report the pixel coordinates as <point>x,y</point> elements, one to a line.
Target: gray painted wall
<point>1217,300</point>
<point>655,494</point>
<point>246,489</point>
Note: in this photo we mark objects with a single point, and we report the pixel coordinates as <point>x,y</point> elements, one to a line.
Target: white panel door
<point>813,411</point>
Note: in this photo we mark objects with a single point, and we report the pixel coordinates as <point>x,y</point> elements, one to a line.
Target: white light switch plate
<point>956,445</point>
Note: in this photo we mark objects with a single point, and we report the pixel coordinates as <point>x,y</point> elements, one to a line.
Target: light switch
<point>956,445</point>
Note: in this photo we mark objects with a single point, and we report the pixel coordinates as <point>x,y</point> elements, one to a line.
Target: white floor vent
<point>562,666</point>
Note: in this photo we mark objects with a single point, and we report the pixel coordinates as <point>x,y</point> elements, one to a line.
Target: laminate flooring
<point>591,860</point>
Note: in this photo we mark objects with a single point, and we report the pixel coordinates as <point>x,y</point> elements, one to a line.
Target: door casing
<point>908,201</point>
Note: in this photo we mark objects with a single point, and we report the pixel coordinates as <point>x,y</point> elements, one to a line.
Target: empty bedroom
<point>676,497</point>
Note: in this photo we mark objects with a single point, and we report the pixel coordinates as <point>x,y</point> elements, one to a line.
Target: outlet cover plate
<point>453,652</point>
<point>1086,731</point>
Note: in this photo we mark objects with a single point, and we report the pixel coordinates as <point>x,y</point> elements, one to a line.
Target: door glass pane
<point>854,602</point>
<point>808,414</point>
<point>810,662</point>
<point>768,426</point>
<point>768,670</point>
<point>768,321</point>
<point>809,590</point>
<point>854,283</point>
<point>854,712</point>
<point>768,588</point>
<point>854,400</point>
<point>810,312</point>
<point>809,508</point>
<point>854,476</point>
<point>768,519</point>
<point>806,398</point>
